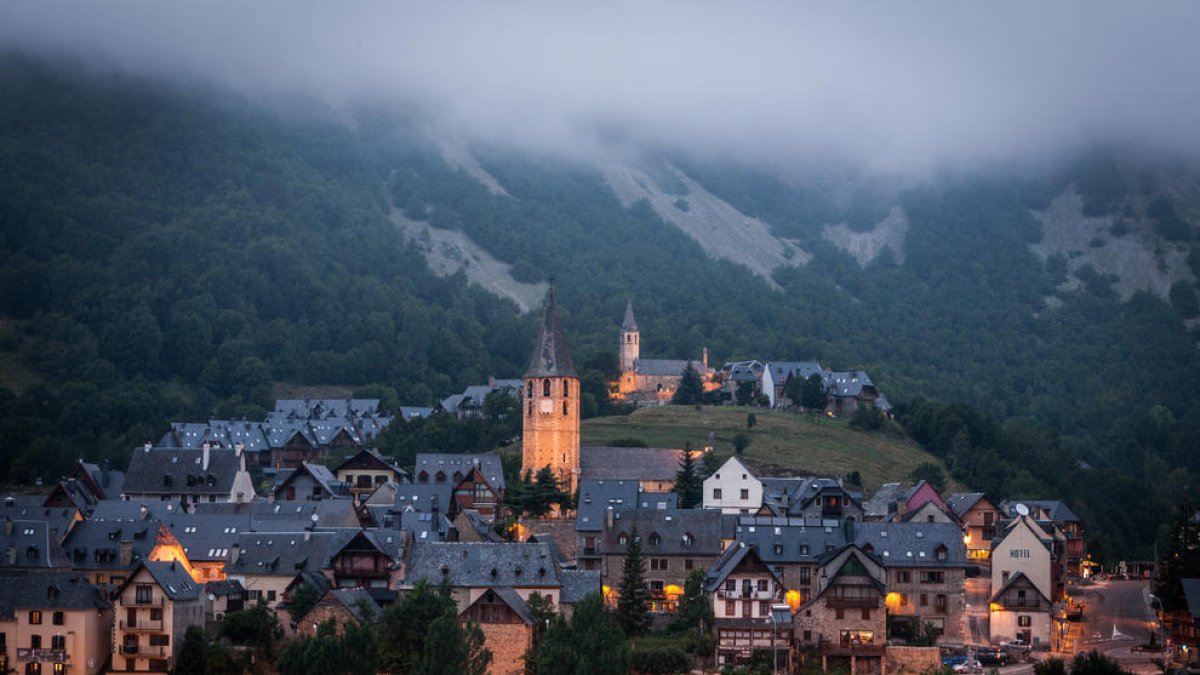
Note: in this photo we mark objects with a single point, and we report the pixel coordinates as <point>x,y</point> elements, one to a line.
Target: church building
<point>551,416</point>
<point>650,381</point>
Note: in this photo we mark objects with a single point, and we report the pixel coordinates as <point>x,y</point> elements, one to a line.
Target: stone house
<point>507,627</point>
<point>473,568</point>
<point>343,606</point>
<point>925,568</point>
<point>266,563</point>
<point>846,623</point>
<point>674,542</point>
<point>153,609</point>
<point>776,375</point>
<point>791,547</point>
<point>748,607</point>
<point>733,489</point>
<point>53,622</point>
<point>599,501</point>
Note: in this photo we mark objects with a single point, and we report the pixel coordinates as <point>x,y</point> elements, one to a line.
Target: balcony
<point>141,625</point>
<point>144,602</point>
<point>742,594</point>
<point>144,650</point>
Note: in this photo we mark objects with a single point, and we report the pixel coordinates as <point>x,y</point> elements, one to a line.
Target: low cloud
<point>893,86</point>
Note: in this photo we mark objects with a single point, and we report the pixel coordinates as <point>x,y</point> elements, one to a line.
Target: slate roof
<point>603,463</point>
<point>110,481</point>
<point>489,465</point>
<point>741,371</point>
<point>355,600</point>
<point>320,474</point>
<point>961,502</point>
<point>224,587</point>
<point>223,433</point>
<point>727,562</point>
<point>1012,581</point>
<point>29,507</point>
<point>483,565</point>
<point>577,584</point>
<point>629,324</point>
<point>30,544</point>
<point>596,496</point>
<point>410,412</point>
<point>96,544</point>
<point>1058,511</point>
<point>173,579</point>
<point>369,459</point>
<point>479,392</point>
<point>913,544</point>
<point>329,408</point>
<point>882,504</point>
<point>282,553</point>
<point>157,471</point>
<point>849,383</point>
<point>780,370</point>
<point>47,591</point>
<point>666,367</point>
<point>295,516</point>
<point>798,540</point>
<point>551,356</point>
<point>694,532</point>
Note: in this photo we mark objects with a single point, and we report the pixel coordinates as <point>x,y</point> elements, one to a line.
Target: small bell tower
<point>551,405</point>
<point>630,350</point>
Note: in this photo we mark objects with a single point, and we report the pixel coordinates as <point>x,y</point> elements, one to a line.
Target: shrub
<point>660,661</point>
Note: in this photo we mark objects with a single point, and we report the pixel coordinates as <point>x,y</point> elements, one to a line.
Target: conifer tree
<point>1180,558</point>
<point>691,388</point>
<point>633,610</point>
<point>688,483</point>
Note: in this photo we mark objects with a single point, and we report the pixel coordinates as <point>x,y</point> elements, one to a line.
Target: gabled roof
<point>962,502</point>
<point>282,553</point>
<point>782,370</point>
<point>30,544</point>
<point>410,412</point>
<point>849,383</point>
<point>159,471</point>
<point>30,507</point>
<point>577,584</point>
<point>1015,579</point>
<point>551,356</point>
<point>482,565</point>
<point>224,587</point>
<point>1054,509</point>
<point>358,602</point>
<point>319,473</point>
<point>740,371</point>
<point>284,516</point>
<point>629,324</point>
<point>850,560</point>
<point>47,590</point>
<point>666,367</point>
<point>329,408</point>
<point>883,503</point>
<point>913,544</point>
<point>728,562</point>
<point>798,541</point>
<point>603,463</point>
<point>597,496</point>
<point>509,597</point>
<point>432,462</point>
<point>172,578</point>
<point>681,532</point>
<point>96,544</point>
<point>369,459</point>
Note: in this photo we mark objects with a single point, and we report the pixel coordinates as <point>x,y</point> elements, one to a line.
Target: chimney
<point>235,552</point>
<point>126,557</point>
<point>706,358</point>
<point>239,447</point>
<point>8,526</point>
<point>144,511</point>
<point>146,447</point>
<point>608,518</point>
<point>204,448</point>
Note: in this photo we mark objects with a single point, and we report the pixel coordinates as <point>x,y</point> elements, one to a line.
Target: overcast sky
<point>890,84</point>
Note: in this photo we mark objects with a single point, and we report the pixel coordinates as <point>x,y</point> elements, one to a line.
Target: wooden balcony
<point>848,602</point>
<point>141,625</point>
<point>741,594</point>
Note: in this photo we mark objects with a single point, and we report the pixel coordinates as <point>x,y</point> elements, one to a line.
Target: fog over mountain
<point>897,87</point>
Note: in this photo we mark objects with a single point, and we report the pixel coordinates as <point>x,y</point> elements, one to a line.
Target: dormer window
<point>623,539</point>
<point>655,540</point>
<point>941,553</point>
<point>688,540</point>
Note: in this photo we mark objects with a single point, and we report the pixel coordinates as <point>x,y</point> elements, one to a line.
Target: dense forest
<point>171,255</point>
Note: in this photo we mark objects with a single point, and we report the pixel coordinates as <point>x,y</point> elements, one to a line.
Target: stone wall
<point>912,660</point>
<point>508,643</point>
<point>319,614</point>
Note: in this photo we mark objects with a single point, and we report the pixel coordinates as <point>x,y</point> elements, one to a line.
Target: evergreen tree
<point>402,629</point>
<point>541,610</point>
<point>303,599</point>
<point>695,611</point>
<point>452,648</point>
<point>1180,558</point>
<point>930,473</point>
<point>591,644</point>
<point>741,441</point>
<point>709,465</point>
<point>688,483</point>
<point>546,494</point>
<point>633,606</point>
<point>751,420</point>
<point>691,388</point>
<point>812,393</point>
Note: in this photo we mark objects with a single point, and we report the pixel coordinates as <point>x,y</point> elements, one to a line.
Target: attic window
<point>688,540</point>
<point>622,539</point>
<point>655,540</point>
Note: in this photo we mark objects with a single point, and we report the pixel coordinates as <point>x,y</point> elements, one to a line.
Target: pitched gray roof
<point>629,324</point>
<point>551,356</point>
<point>695,532</point>
<point>96,544</point>
<point>409,412</point>
<point>282,553</point>
<point>1058,511</point>
<point>596,496</point>
<point>47,590</point>
<point>431,462</point>
<point>788,540</point>
<point>292,516</point>
<point>728,561</point>
<point>328,408</point>
<point>848,383</point>
<point>30,544</point>
<point>156,471</point>
<point>358,602</point>
<point>665,367</point>
<point>483,565</point>
<point>882,504</point>
<point>173,579</point>
<point>913,544</point>
<point>576,584</point>
<point>320,474</point>
<point>961,502</point>
<point>29,507</point>
<point>478,392</point>
<point>780,370</point>
<point>603,463</point>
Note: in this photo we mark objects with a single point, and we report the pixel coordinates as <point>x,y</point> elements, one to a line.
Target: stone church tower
<point>629,339</point>
<point>551,428</point>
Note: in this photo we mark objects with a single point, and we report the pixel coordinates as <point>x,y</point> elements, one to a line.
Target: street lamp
<point>1162,636</point>
<point>775,609</point>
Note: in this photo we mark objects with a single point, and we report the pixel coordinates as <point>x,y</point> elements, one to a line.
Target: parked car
<point>993,656</point>
<point>1017,645</point>
<point>969,666</point>
<point>953,661</point>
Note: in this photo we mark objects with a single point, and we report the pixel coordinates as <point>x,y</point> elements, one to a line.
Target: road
<point>1116,618</point>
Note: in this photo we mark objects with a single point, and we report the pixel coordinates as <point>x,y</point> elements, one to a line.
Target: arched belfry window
<point>628,339</point>
<point>545,387</point>
<point>564,407</point>
<point>566,389</point>
<point>529,389</point>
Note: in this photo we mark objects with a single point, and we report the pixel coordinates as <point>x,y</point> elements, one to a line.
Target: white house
<point>776,373</point>
<point>733,489</point>
<point>1022,582</point>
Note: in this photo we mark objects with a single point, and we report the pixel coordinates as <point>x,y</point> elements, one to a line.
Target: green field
<point>782,443</point>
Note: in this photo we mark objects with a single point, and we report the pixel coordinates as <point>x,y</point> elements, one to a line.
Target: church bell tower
<point>629,339</point>
<point>551,415</point>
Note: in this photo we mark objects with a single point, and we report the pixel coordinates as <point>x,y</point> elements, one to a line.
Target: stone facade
<point>508,643</point>
<point>324,610</point>
<point>551,405</point>
<point>930,595</point>
<point>912,660</point>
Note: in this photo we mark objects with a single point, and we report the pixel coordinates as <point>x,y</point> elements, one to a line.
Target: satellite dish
<point>315,517</point>
<point>1022,510</point>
